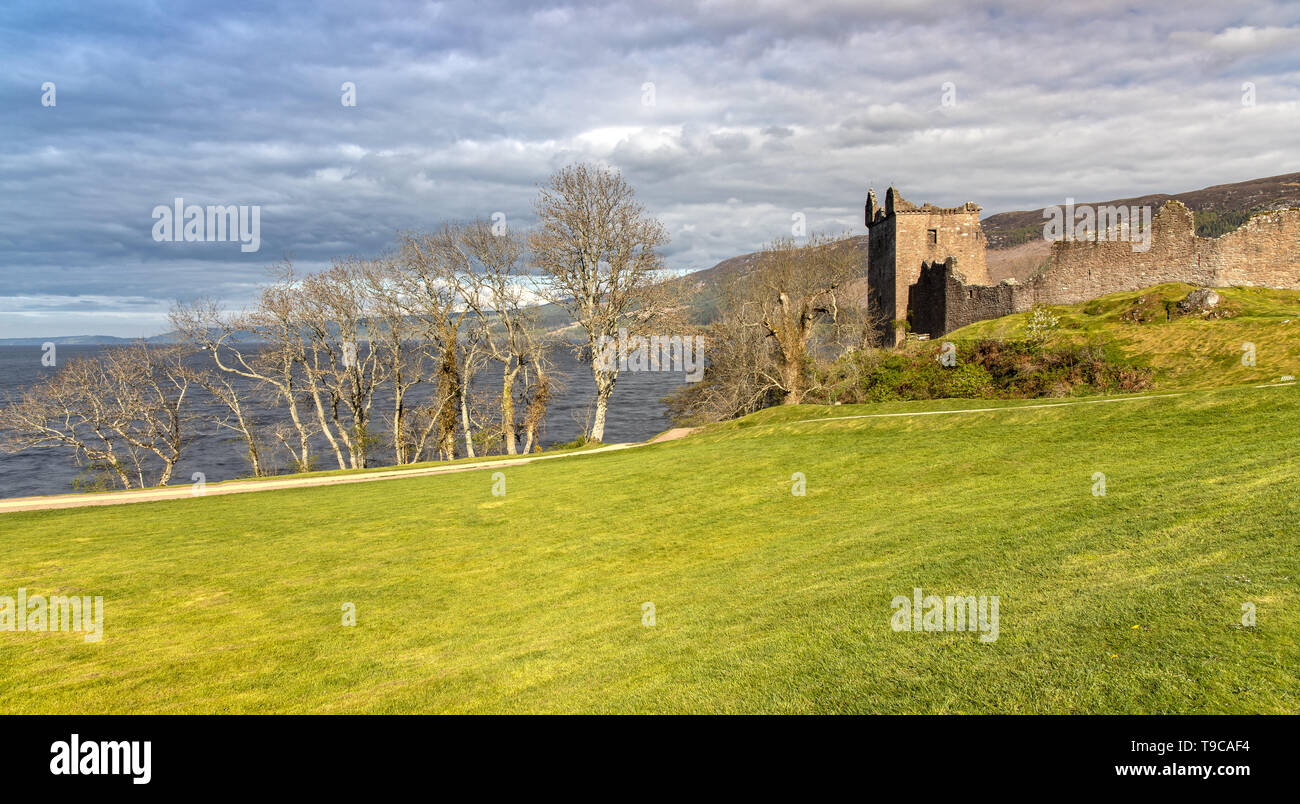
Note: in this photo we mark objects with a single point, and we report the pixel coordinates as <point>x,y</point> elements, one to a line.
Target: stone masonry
<point>903,237</point>
<point>926,265</point>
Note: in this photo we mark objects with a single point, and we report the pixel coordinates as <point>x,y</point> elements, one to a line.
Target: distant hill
<point>91,340</point>
<point>1016,245</point>
<point>68,340</point>
<point>706,283</point>
<point>1219,209</point>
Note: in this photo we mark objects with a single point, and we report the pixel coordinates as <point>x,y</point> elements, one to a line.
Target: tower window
<point>934,235</point>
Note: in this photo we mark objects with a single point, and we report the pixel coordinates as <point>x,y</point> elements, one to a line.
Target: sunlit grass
<point>1187,351</point>
<point>764,601</point>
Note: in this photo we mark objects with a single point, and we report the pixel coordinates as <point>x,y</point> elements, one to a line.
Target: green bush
<point>985,369</point>
<point>970,381</point>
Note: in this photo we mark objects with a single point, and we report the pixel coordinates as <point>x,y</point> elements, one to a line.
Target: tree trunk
<point>604,388</point>
<point>450,397</point>
<point>399,419</point>
<point>535,412</point>
<point>325,428</point>
<point>122,476</point>
<point>254,458</point>
<point>304,443</point>
<point>792,379</point>
<point>508,409</point>
<point>464,420</point>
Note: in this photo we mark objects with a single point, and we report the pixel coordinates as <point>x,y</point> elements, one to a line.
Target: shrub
<point>1041,324</point>
<point>970,381</point>
<point>986,369</point>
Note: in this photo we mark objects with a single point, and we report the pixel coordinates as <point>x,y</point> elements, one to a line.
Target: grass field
<point>764,601</point>
<point>1186,351</point>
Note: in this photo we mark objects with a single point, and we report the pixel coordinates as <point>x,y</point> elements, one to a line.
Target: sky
<point>729,117</point>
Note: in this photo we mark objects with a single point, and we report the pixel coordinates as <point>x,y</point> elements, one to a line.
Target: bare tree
<point>795,286</point>
<point>598,250</point>
<point>421,429</point>
<point>64,410</point>
<point>539,386</point>
<point>238,419</point>
<point>149,385</point>
<point>333,307</point>
<point>264,345</point>
<point>118,411</point>
<point>430,291</point>
<point>738,378</point>
<point>760,351</point>
<point>497,289</point>
<point>394,336</point>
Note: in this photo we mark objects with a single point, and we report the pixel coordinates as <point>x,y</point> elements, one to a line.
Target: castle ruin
<point>926,265</point>
<point>902,238</point>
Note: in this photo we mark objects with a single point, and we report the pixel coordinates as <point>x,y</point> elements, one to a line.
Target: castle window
<point>934,235</point>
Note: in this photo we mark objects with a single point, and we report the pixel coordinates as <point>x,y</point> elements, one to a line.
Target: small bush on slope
<point>983,369</point>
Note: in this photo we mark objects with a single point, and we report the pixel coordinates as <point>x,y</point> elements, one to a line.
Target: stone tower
<point>901,237</point>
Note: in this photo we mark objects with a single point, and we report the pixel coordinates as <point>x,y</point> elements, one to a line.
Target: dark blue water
<point>635,414</point>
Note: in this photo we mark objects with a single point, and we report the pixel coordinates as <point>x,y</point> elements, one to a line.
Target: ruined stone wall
<point>1265,251</point>
<point>1083,270</point>
<point>882,289</point>
<point>942,300</point>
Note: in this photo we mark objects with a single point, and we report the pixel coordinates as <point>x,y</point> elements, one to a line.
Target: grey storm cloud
<point>757,110</point>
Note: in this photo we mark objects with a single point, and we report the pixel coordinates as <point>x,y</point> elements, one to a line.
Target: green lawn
<point>1187,351</point>
<point>765,601</point>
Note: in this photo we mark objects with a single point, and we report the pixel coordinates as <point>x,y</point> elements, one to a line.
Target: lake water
<point>635,414</point>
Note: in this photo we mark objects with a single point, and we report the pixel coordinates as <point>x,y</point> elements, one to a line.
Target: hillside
<point>704,285</point>
<point>1184,351</point>
<point>1016,247</point>
<point>80,340</point>
<point>762,601</point>
<point>1220,208</point>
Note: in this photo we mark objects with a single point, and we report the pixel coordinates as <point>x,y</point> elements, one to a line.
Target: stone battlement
<point>896,205</point>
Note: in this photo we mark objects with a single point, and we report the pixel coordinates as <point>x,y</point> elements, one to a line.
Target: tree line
<point>321,349</point>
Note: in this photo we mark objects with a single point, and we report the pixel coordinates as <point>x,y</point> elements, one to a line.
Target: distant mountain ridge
<point>1219,209</point>
<point>84,340</point>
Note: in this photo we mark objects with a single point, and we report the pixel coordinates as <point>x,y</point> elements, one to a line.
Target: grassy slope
<point>765,601</point>
<point>1186,352</point>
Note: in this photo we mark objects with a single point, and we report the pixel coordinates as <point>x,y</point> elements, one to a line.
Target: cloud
<point>1243,40</point>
